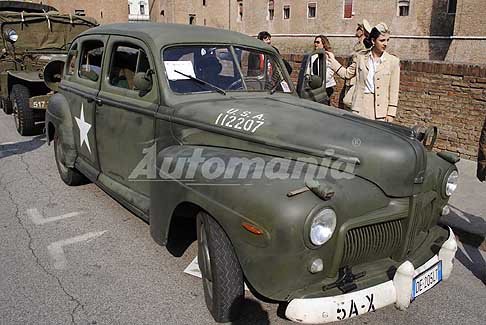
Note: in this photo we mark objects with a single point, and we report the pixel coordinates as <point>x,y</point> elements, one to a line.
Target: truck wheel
<point>70,176</point>
<point>23,114</point>
<point>7,106</point>
<point>221,272</point>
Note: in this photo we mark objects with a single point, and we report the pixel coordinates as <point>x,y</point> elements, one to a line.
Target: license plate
<point>427,280</point>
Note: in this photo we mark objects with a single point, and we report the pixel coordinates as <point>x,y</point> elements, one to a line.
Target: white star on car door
<point>83,129</point>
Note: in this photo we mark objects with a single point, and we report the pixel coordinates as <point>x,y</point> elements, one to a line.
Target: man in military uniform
<point>362,32</point>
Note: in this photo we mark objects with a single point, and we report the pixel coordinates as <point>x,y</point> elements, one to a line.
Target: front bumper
<point>397,291</point>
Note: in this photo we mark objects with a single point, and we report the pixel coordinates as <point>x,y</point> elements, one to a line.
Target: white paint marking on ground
<point>38,219</point>
<point>193,269</point>
<point>57,252</point>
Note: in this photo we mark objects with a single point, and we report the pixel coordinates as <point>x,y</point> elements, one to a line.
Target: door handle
<point>98,101</point>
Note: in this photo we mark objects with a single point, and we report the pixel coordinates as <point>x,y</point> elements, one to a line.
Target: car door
<point>125,118</point>
<point>312,77</point>
<point>80,87</point>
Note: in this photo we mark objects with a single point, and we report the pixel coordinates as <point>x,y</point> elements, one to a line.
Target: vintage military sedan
<point>330,214</point>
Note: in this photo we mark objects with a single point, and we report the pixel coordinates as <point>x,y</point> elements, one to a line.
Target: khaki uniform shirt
<point>386,80</point>
<point>359,48</point>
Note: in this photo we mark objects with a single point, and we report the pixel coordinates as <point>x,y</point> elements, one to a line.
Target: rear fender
<point>59,121</point>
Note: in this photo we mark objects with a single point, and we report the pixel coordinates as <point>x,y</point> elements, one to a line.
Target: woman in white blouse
<point>377,77</point>
<point>321,42</point>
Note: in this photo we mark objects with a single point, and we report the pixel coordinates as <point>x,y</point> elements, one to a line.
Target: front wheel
<point>221,272</point>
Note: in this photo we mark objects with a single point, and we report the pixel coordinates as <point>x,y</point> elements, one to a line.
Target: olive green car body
<point>394,196</point>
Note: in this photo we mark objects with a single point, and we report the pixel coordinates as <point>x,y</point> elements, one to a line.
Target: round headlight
<point>323,226</point>
<point>451,184</point>
<point>12,35</point>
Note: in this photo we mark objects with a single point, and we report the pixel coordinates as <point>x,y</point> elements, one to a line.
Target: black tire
<point>23,114</point>
<point>70,176</point>
<point>7,106</point>
<point>221,272</point>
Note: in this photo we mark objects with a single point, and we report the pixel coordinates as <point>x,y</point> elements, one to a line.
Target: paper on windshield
<point>185,67</point>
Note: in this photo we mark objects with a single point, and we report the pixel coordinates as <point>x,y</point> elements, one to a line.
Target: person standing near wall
<point>481,172</point>
<point>266,37</point>
<point>377,77</point>
<point>362,32</point>
<point>321,42</point>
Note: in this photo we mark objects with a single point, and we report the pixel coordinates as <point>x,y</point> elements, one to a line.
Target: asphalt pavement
<point>73,255</point>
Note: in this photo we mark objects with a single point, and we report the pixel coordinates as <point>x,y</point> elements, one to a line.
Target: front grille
<point>372,242</point>
<point>420,220</point>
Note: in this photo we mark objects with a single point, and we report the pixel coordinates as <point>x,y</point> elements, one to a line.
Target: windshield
<point>194,69</point>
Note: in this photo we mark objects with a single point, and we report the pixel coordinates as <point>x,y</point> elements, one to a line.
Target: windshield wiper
<point>219,90</point>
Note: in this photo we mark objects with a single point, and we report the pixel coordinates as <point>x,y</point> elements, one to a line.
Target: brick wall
<point>449,96</point>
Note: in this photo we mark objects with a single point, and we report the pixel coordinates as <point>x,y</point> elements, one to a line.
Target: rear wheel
<point>221,272</point>
<point>70,176</point>
<point>23,114</point>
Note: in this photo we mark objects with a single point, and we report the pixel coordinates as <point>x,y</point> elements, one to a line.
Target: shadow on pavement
<point>471,231</point>
<point>251,312</point>
<point>19,148</point>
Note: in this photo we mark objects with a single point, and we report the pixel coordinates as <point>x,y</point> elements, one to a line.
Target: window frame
<point>448,7</point>
<point>151,96</point>
<point>270,10</point>
<point>114,48</point>
<point>401,4</point>
<point>238,70</point>
<point>81,52</point>
<point>309,4</point>
<point>283,12</point>
<point>344,9</point>
<point>74,47</point>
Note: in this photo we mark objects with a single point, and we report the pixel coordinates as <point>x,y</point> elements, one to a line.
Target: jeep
<point>31,35</point>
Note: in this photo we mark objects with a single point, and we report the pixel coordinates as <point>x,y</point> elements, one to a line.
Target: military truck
<point>31,35</point>
<point>327,212</point>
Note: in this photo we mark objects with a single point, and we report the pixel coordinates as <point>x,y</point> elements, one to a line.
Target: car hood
<point>289,127</point>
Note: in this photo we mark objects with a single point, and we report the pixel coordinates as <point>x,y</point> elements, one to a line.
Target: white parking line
<point>193,269</point>
<point>38,219</point>
<point>57,252</point>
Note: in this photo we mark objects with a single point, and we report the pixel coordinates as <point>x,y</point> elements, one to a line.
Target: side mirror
<point>143,81</point>
<point>315,82</point>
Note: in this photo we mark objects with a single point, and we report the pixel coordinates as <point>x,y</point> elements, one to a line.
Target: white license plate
<point>427,280</point>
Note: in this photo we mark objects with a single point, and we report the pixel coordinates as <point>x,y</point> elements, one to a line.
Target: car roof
<point>164,34</point>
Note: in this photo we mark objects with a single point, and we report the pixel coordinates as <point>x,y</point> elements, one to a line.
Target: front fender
<point>59,121</point>
<point>260,201</point>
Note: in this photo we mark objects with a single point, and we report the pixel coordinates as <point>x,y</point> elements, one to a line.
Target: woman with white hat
<point>377,77</point>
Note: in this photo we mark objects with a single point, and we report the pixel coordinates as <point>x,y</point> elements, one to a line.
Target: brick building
<point>453,30</point>
<point>104,11</point>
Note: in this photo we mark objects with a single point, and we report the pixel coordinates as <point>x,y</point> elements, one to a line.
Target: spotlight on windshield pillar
<point>12,36</point>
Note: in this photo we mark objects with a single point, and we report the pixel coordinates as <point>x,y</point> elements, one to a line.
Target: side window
<point>126,61</point>
<point>71,60</point>
<point>91,57</point>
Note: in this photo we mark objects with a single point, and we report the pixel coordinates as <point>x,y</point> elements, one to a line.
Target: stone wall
<point>449,96</point>
<point>104,11</point>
